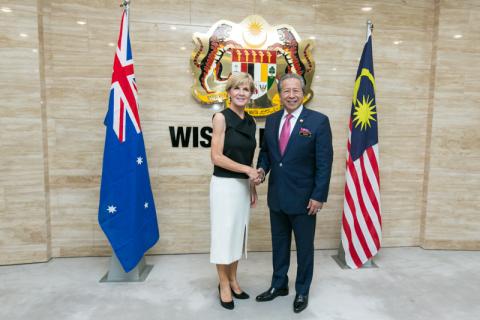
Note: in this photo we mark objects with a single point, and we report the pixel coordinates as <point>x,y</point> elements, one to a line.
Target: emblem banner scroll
<point>253,46</point>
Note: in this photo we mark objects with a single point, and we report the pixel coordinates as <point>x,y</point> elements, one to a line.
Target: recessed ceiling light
<point>80,22</point>
<point>23,35</point>
<point>111,44</point>
<point>34,50</point>
<point>6,9</point>
<point>312,37</point>
<point>458,36</point>
<point>367,9</point>
<point>173,28</point>
<point>334,69</point>
<point>397,42</point>
<point>183,48</point>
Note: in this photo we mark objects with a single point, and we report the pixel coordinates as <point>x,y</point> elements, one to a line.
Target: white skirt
<point>229,216</point>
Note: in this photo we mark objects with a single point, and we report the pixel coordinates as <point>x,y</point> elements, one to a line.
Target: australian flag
<point>126,211</point>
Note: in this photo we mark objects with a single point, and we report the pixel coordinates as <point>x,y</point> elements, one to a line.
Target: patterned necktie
<point>285,134</point>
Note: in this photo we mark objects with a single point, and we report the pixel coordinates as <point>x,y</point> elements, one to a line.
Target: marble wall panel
<point>162,49</point>
<point>75,159</point>
<point>452,220</point>
<point>23,216</point>
<point>207,12</point>
<point>19,57</point>
<point>78,38</point>
<point>301,14</point>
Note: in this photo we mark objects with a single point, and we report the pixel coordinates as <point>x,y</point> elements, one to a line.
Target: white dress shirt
<point>293,120</point>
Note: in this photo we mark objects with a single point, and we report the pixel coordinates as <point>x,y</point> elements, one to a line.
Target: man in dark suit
<point>297,151</point>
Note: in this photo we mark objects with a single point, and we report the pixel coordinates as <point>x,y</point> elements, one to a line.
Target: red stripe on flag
<point>363,208</point>
<point>356,225</point>
<point>373,200</point>
<point>351,248</point>
<point>121,128</point>
<point>120,75</point>
<point>368,183</point>
<point>374,163</point>
<point>119,42</point>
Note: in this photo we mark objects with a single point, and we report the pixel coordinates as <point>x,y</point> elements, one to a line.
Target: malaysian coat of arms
<point>265,52</point>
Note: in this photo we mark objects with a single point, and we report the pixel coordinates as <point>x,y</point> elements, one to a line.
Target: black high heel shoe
<point>242,295</point>
<point>227,305</point>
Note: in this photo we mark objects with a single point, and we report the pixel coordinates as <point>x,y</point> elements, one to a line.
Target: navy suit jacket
<point>304,170</point>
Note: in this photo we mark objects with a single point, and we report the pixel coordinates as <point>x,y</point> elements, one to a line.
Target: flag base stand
<point>117,274</point>
<point>340,260</point>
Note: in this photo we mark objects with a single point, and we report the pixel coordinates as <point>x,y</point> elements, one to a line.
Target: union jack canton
<point>124,88</point>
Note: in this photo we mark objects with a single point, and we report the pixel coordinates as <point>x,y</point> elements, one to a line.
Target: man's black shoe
<point>271,294</point>
<point>300,303</point>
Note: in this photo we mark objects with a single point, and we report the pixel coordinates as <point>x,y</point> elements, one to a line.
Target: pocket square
<point>304,132</point>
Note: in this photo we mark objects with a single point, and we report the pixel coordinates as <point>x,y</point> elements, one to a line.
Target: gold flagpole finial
<point>125,3</point>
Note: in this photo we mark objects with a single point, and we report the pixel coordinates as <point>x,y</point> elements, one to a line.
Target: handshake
<point>256,176</point>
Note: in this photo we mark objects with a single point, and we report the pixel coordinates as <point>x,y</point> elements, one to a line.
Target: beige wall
<point>453,202</point>
<point>23,194</point>
<point>51,152</point>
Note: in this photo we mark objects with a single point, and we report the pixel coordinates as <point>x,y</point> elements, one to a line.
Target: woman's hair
<point>240,78</point>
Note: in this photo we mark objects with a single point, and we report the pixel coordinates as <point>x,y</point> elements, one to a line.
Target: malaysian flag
<point>361,220</point>
<point>126,211</point>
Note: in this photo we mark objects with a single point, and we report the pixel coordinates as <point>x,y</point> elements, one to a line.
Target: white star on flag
<point>145,205</point>
<point>112,209</point>
<point>139,160</point>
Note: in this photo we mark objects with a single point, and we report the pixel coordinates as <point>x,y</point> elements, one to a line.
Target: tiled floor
<point>410,283</point>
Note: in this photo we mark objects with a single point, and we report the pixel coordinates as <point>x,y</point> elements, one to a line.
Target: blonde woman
<point>232,188</point>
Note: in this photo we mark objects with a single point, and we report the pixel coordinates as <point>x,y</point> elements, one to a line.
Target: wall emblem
<point>253,46</point>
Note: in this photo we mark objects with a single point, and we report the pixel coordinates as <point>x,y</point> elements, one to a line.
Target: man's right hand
<point>252,174</point>
<point>261,176</point>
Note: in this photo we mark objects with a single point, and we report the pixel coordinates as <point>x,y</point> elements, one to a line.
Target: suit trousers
<point>303,227</point>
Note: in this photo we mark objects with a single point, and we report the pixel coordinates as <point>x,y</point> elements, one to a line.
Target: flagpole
<point>126,6</point>
<point>370,263</point>
<point>369,28</point>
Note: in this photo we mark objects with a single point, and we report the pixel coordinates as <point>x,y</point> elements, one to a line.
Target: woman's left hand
<point>253,196</point>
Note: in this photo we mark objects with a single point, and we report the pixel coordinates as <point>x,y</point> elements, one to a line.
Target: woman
<point>232,188</point>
